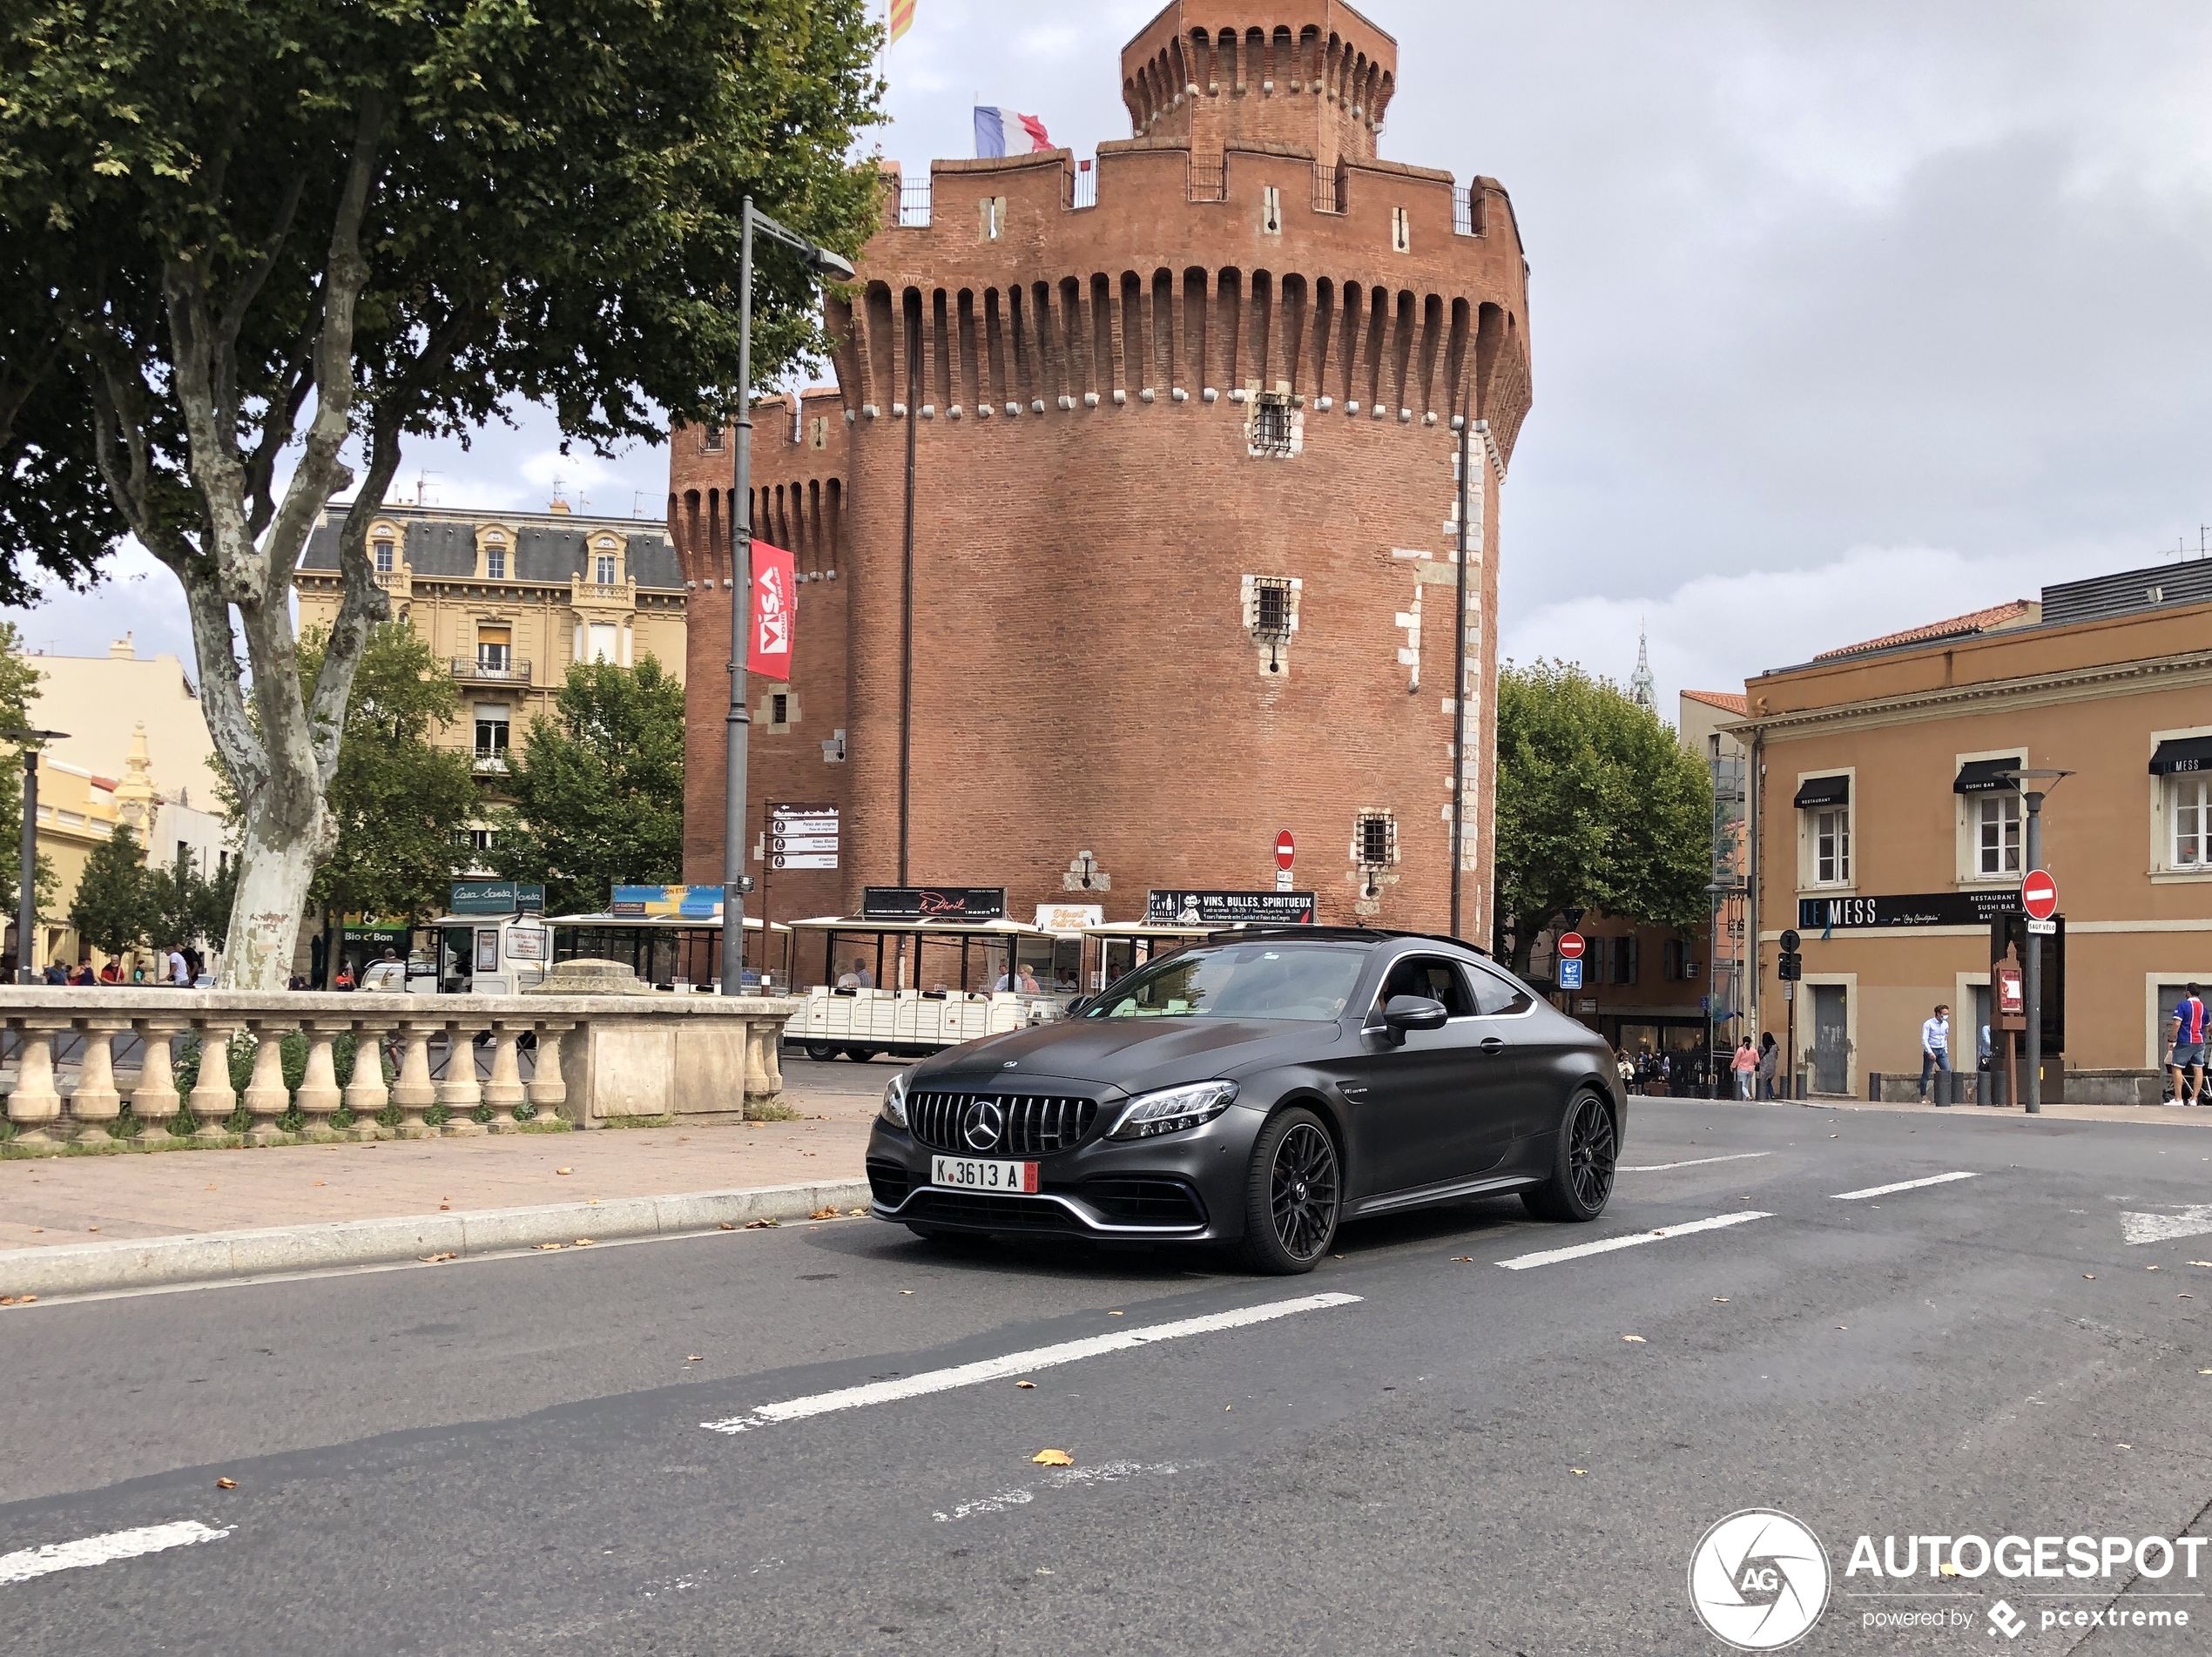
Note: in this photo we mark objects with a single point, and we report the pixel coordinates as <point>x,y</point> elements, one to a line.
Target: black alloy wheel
<point>1582,1179</point>
<point>1293,1196</point>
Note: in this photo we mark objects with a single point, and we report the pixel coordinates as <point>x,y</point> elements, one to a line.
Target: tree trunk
<point>278,864</point>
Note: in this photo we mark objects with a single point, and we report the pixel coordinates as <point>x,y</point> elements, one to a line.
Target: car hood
<point>1133,1054</point>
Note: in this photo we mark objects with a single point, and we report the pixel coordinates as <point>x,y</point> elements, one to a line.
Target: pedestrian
<point>1746,1065</point>
<point>345,975</point>
<point>112,974</point>
<point>58,974</point>
<point>1769,1062</point>
<point>84,978</point>
<point>1627,1072</point>
<point>2185,1050</point>
<point>179,968</point>
<point>1935,1049</point>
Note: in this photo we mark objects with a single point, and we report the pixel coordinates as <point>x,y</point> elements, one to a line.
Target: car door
<point>1424,1110</point>
<point>1523,1086</point>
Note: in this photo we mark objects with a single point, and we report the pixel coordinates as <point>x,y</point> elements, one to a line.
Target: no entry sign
<point>1571,945</point>
<point>1286,849</point>
<point>2039,896</point>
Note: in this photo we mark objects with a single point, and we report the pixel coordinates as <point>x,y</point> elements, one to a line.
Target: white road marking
<point>1902,1185</point>
<point>2162,1227</point>
<point>23,1565</point>
<point>1014,1363</point>
<point>1696,1161</point>
<point>1552,1257</point>
<point>1067,1479</point>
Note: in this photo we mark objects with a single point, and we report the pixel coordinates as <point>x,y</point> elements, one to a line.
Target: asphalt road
<point>508,1455</point>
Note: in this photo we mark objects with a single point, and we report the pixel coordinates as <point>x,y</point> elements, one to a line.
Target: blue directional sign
<point>1570,975</point>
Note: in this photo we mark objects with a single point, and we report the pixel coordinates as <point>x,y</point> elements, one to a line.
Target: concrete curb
<point>148,1262</point>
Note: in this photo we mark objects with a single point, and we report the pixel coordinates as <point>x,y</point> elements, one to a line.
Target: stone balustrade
<point>590,1060</point>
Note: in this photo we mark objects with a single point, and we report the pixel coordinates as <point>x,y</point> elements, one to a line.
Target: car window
<point>1494,993</point>
<point>1430,978</point>
<point>1238,981</point>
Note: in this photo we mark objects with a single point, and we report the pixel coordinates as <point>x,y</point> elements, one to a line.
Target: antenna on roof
<point>421,479</point>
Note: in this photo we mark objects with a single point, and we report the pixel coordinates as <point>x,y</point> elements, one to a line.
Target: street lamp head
<point>2035,782</point>
<point>25,734</point>
<point>833,267</point>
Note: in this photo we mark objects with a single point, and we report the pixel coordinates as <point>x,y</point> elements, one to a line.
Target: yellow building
<point>509,602</point>
<point>101,700</point>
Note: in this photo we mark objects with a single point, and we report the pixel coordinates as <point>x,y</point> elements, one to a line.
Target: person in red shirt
<point>2185,1050</point>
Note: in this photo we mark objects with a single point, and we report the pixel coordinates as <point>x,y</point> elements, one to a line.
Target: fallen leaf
<point>437,1259</point>
<point>1720,1300</point>
<point>25,1300</point>
<point>321,1182</point>
<point>857,1213</point>
<point>1030,1386</point>
<point>1113,1313</point>
<point>2204,1371</point>
<point>442,1207</point>
<point>2200,1263</point>
<point>2185,1296</point>
<point>2123,1447</point>
<point>905,1291</point>
<point>592,1200</point>
<point>227,1483</point>
<point>823,1214</point>
<point>1053,1458</point>
<point>7,1300</point>
<point>2088,1277</point>
<point>728,1225</point>
<point>557,1170</point>
<point>1947,1569</point>
<point>1462,1259</point>
<point>1638,1340</point>
<point>548,1245</point>
<point>1228,1407</point>
<point>583,1242</point>
<point>210,1188</point>
<point>762,1225</point>
<point>1580,1473</point>
<point>696,1357</point>
<point>2150,1267</point>
<point>92,1228</point>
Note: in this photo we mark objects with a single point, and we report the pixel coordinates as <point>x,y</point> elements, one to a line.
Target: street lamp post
<point>2032,967</point>
<point>822,262</point>
<point>27,867</point>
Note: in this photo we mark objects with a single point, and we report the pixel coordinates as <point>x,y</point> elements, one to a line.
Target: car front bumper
<point>1185,1187</point>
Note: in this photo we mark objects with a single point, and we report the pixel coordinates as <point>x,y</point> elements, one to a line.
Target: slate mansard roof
<point>549,547</point>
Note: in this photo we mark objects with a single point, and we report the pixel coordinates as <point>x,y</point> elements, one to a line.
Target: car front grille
<point>1029,1124</point>
<point>994,1213</point>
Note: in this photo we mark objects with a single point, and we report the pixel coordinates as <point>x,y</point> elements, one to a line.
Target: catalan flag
<point>902,19</point>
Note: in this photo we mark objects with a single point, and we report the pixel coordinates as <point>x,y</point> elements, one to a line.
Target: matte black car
<point>1256,1090</point>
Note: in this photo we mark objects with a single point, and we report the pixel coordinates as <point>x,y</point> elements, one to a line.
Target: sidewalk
<point>57,1200</point>
<point>2165,1115</point>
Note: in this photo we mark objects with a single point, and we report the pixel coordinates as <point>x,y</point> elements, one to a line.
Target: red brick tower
<point>1142,503</point>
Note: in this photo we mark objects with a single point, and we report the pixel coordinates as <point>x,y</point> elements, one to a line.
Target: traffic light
<point>1790,965</point>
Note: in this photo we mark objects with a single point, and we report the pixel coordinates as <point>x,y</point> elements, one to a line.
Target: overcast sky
<point>1844,317</point>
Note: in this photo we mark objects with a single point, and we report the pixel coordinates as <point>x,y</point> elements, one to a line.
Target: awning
<point>1824,790</point>
<point>1982,777</point>
<point>2183,753</point>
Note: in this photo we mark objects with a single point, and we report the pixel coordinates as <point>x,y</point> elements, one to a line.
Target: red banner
<point>774,609</point>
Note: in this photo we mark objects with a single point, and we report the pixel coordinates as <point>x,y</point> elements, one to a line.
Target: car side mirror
<point>1404,1013</point>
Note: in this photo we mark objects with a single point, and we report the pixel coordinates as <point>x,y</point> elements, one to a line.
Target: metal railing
<point>1083,187</point>
<point>1331,186</point>
<point>1467,212</point>
<point>914,206</point>
<point>1209,178</point>
<point>478,668</point>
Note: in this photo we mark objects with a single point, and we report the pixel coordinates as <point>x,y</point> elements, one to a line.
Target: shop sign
<point>1070,919</point>
<point>1914,909</point>
<point>497,898</point>
<point>1229,908</point>
<point>932,903</point>
<point>655,903</point>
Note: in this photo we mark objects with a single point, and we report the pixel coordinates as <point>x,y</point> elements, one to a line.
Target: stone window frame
<point>1966,813</point>
<point>769,723</point>
<point>2164,870</point>
<point>1273,645</point>
<point>1271,210</point>
<point>990,218</point>
<point>1401,230</point>
<point>1373,823</point>
<point>495,538</point>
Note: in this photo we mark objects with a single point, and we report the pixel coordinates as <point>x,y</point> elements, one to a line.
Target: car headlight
<point>1173,1109</point>
<point>893,1109</point>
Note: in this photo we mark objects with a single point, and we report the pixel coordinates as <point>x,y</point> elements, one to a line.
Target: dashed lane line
<point>1014,1364</point>
<point>1902,1185</point>
<point>27,1563</point>
<point>1694,1161</point>
<point>1553,1257</point>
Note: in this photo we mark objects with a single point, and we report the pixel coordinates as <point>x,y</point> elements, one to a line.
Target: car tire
<point>860,1055</point>
<point>1584,1160</point>
<point>1293,1195</point>
<point>820,1052</point>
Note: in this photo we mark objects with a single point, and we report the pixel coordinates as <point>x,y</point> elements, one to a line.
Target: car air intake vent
<point>982,1124</point>
<point>888,1183</point>
<point>1144,1201</point>
<point>997,1213</point>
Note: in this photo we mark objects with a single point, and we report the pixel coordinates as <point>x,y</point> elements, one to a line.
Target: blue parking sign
<point>1570,975</point>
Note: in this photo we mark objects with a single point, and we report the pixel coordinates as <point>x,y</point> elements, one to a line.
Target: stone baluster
<point>265,1094</point>
<point>548,1093</point>
<point>212,1097</point>
<point>505,1091</point>
<point>35,1107</point>
<point>319,1097</point>
<point>366,1093</point>
<point>96,1105</point>
<point>154,1102</point>
<point>414,1093</point>
<point>460,1093</point>
<point>764,1078</point>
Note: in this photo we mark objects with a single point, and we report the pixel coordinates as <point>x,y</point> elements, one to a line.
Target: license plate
<point>966,1174</point>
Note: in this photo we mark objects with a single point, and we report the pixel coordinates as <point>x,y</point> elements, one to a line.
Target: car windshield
<point>1238,982</point>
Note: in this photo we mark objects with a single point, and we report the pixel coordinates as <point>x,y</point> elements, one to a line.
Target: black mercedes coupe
<point>1256,1090</point>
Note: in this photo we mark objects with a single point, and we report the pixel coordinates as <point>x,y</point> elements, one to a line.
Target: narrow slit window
<point>1401,230</point>
<point>1271,210</point>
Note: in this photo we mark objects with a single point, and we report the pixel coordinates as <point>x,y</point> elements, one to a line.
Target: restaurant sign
<point>1229,908</point>
<point>664,903</point>
<point>949,904</point>
<point>1914,909</point>
<point>497,898</point>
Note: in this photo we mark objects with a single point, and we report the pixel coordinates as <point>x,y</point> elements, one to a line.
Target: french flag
<point>1002,131</point>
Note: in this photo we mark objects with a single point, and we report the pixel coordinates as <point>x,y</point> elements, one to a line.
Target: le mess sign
<point>774,610</point>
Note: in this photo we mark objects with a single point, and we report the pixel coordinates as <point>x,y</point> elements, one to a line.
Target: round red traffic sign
<point>1286,849</point>
<point>2039,896</point>
<point>1571,945</point>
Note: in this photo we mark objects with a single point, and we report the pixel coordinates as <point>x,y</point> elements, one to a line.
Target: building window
<point>711,441</point>
<point>479,840</point>
<point>1377,841</point>
<point>603,645</point>
<point>1831,846</point>
<point>1620,959</point>
<point>818,432</point>
<point>1271,210</point>
<point>1401,230</point>
<point>384,558</point>
<point>491,731</point>
<point>1272,609</point>
<point>992,215</point>
<point>495,561</point>
<point>1997,834</point>
<point>2188,803</point>
<point>605,570</point>
<point>1272,423</point>
<point>493,645</point>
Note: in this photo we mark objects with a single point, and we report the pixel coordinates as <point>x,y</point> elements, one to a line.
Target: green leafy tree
<point>18,683</point>
<point>113,908</point>
<point>401,801</point>
<point>1598,807</point>
<point>184,906</point>
<point>241,240</point>
<point>598,788</point>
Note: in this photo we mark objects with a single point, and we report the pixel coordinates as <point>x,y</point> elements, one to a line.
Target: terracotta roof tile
<point>1975,620</point>
<point>1730,701</point>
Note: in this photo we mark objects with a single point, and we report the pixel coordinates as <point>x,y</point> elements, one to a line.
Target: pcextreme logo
<point>1759,1579</point>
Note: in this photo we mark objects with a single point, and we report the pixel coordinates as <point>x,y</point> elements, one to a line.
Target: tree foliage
<point>598,789</point>
<point>186,906</point>
<point>1598,807</point>
<point>19,683</point>
<point>401,801</point>
<point>111,910</point>
<point>240,237</point>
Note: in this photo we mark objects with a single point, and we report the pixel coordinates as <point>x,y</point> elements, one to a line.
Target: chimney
<point>123,650</point>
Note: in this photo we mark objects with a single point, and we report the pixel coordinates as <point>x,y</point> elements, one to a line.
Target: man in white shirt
<point>179,972</point>
<point>1935,1049</point>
